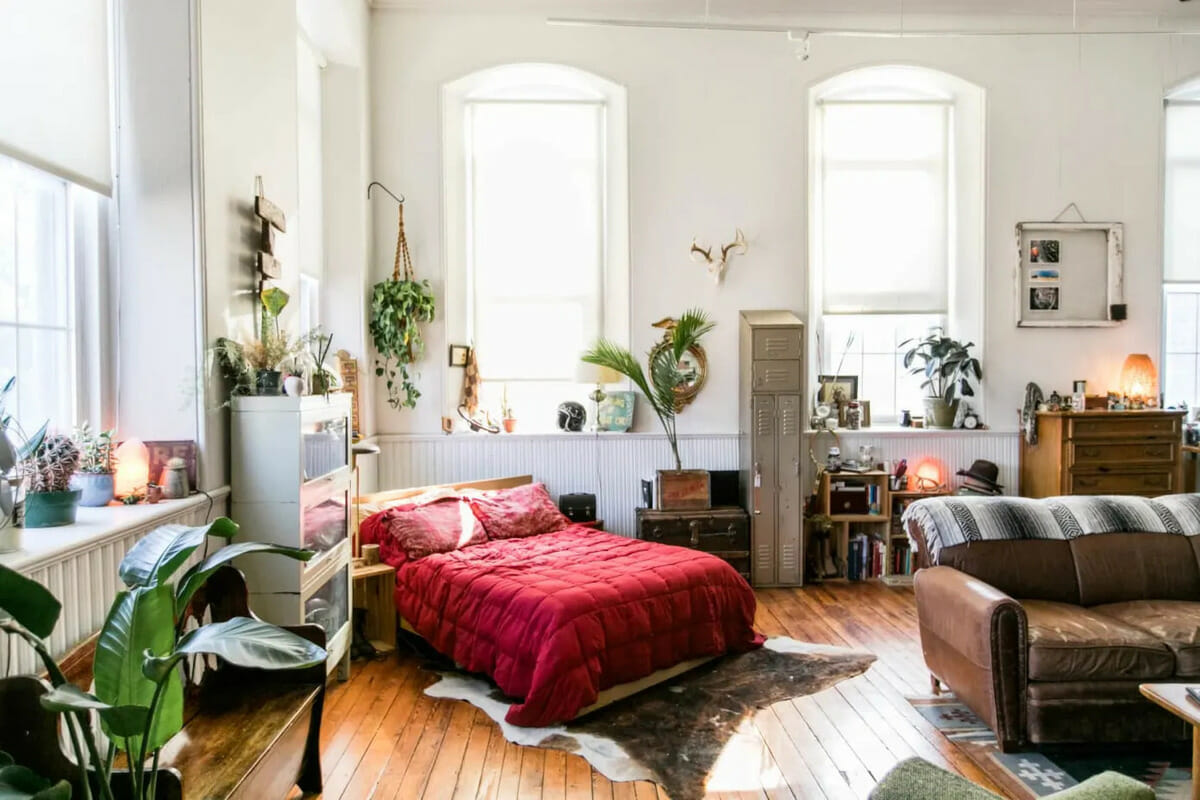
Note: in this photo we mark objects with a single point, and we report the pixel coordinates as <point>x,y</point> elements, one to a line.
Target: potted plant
<point>140,652</point>
<point>94,477</point>
<point>323,379</point>
<point>506,412</point>
<point>50,501</point>
<point>659,387</point>
<point>266,356</point>
<point>15,450</point>
<point>948,367</point>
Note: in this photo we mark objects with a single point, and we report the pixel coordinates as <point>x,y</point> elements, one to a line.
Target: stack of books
<point>865,558</point>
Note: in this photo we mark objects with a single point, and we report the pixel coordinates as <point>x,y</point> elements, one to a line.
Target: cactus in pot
<point>97,465</point>
<point>49,500</point>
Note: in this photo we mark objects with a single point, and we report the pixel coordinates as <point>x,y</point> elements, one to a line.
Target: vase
<point>939,413</point>
<point>293,386</point>
<point>266,381</point>
<point>96,487</point>
<point>51,509</point>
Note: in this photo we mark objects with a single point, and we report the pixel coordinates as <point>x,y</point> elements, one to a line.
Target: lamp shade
<point>1139,378</point>
<point>594,373</point>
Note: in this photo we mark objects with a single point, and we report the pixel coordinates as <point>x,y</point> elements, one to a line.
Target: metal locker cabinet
<point>771,414</point>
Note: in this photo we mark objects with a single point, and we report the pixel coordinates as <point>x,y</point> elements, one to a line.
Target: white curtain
<point>54,88</point>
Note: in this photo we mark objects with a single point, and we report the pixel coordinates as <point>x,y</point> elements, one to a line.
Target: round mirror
<point>694,369</point>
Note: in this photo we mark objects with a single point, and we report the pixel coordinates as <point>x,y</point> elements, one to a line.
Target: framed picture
<point>835,387</point>
<point>458,355</point>
<point>1070,274</point>
<point>616,411</point>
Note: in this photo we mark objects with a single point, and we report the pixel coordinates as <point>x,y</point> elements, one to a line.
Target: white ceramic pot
<point>293,386</point>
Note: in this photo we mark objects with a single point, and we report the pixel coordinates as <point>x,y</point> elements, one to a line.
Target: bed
<point>565,620</point>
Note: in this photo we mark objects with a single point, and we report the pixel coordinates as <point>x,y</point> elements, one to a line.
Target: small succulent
<point>53,463</point>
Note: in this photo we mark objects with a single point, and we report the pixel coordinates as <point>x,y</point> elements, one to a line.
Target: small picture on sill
<point>1043,251</point>
<point>1043,298</point>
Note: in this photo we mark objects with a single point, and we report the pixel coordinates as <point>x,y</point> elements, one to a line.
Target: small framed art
<point>458,355</point>
<point>835,388</point>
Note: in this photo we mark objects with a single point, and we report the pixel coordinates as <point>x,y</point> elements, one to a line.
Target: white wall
<point>717,126</point>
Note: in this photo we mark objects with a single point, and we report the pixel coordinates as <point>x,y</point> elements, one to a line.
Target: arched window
<point>1181,246</point>
<point>536,228</point>
<point>895,222</point>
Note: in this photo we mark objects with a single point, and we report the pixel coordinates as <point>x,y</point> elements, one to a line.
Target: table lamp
<point>598,375</point>
<point>1139,379</point>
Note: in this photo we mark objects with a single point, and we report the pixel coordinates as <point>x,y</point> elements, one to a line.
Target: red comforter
<point>556,618</point>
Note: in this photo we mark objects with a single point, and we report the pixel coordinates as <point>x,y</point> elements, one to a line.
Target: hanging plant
<point>398,307</point>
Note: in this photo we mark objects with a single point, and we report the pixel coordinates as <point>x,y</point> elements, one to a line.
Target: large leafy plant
<point>946,363</point>
<point>138,689</point>
<point>664,373</point>
<point>398,309</point>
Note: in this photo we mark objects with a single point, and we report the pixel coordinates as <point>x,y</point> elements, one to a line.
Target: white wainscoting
<point>78,564</point>
<point>611,465</point>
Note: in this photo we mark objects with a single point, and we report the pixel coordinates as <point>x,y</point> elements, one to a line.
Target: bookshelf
<point>899,558</point>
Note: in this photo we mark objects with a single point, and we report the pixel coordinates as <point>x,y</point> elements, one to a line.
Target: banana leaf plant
<point>138,696</point>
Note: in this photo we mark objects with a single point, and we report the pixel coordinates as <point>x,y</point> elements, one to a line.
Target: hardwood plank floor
<point>383,738</point>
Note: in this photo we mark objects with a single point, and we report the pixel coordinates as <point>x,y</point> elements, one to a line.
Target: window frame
<point>508,83</point>
<point>1186,95</point>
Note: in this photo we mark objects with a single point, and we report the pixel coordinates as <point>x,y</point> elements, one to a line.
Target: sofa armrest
<point>973,637</point>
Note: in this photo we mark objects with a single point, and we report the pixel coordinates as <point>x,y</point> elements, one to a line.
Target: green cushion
<point>1106,786</point>
<point>917,779</point>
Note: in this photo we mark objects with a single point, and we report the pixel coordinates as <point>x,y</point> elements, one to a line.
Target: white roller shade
<point>1182,207</point>
<point>54,96</point>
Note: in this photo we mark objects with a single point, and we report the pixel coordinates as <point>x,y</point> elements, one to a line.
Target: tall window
<point>1181,305</point>
<point>541,248</point>
<point>887,215</point>
<point>37,296</point>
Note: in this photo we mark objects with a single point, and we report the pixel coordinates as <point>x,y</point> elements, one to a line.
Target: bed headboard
<point>381,498</point>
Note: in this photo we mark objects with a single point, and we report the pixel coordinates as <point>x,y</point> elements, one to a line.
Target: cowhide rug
<point>673,733</point>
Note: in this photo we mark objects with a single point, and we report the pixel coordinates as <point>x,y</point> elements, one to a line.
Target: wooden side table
<point>1173,697</point>
<point>374,590</point>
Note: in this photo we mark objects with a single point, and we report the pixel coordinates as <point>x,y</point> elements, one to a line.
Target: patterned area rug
<point>673,733</point>
<point>1166,769</point>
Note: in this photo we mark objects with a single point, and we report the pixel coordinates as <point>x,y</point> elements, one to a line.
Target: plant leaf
<point>274,300</point>
<point>195,577</point>
<point>162,551</point>
<point>122,720</point>
<point>28,602</point>
<point>243,642</point>
<point>140,620</point>
<point>26,451</point>
<point>21,783</point>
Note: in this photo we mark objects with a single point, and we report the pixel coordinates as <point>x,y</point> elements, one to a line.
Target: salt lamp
<point>1139,378</point>
<point>133,468</point>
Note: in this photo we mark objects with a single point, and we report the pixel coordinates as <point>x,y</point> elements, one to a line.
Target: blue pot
<point>96,488</point>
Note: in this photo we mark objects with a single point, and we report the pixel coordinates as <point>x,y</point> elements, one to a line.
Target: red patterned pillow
<point>438,527</point>
<point>521,511</point>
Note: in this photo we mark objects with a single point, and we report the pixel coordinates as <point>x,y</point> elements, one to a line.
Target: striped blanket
<point>950,521</point>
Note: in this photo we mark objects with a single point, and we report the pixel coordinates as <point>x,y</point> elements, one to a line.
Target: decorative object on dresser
<point>716,266</point>
<point>291,475</point>
<point>949,370</point>
<point>1139,381</point>
<point>723,532</point>
<point>598,376</point>
<point>1103,452</point>
<point>771,420</point>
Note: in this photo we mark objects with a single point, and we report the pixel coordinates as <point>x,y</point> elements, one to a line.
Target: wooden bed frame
<point>604,698</point>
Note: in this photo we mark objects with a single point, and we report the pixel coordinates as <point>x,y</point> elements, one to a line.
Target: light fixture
<point>929,476</point>
<point>598,375</point>
<point>1139,379</point>
<point>133,468</point>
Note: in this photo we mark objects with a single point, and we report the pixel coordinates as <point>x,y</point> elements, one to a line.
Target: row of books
<point>867,557</point>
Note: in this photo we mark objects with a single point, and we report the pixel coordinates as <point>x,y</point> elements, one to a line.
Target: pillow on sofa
<point>411,531</point>
<point>521,511</point>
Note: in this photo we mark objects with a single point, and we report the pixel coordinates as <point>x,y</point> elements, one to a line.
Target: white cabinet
<point>292,479</point>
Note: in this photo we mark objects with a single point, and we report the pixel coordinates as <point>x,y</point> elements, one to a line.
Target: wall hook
<point>372,184</point>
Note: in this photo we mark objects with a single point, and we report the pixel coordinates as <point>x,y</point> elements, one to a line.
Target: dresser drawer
<point>1132,426</point>
<point>776,343</point>
<point>1147,483</point>
<point>776,376</point>
<point>1086,453</point>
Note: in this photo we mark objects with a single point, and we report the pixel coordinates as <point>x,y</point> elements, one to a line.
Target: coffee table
<point>1173,697</point>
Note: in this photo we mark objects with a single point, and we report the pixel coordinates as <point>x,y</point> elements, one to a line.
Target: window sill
<point>896,430</point>
<point>95,527</point>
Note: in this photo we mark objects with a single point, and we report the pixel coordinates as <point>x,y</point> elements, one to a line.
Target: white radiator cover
<point>612,464</point>
<point>84,577</point>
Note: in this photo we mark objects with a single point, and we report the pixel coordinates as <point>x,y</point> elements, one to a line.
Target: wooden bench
<point>249,734</point>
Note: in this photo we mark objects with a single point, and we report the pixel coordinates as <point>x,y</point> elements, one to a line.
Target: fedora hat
<point>983,471</point>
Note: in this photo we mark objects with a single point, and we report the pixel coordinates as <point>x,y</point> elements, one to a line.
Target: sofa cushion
<point>1121,567</point>
<point>1068,642</point>
<point>1173,622</point>
<point>1040,568</point>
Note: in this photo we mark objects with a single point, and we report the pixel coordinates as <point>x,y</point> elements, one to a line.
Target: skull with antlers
<point>716,266</point>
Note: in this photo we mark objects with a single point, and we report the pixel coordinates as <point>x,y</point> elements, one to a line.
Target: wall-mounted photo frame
<point>831,384</point>
<point>458,355</point>
<point>1070,274</point>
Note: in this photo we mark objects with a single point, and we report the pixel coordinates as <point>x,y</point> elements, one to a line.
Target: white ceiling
<point>1141,15</point>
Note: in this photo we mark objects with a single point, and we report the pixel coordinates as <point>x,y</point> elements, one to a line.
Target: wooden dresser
<point>723,531</point>
<point>1104,452</point>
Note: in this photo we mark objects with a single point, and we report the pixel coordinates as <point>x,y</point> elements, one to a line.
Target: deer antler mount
<point>716,266</point>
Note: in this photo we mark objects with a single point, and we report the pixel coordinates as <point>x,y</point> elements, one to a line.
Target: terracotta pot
<point>510,424</point>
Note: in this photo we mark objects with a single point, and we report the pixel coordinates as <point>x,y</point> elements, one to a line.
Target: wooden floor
<point>383,738</point>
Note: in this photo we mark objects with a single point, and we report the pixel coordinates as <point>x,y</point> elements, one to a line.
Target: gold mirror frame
<point>686,393</point>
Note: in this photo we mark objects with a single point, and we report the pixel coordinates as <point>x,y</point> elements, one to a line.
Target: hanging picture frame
<point>1070,274</point>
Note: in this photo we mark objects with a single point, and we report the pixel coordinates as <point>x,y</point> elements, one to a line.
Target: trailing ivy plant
<point>398,307</point>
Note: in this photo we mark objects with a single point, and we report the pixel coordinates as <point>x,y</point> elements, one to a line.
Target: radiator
<point>84,577</point>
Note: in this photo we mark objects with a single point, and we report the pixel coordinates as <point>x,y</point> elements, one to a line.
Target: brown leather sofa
<point>1047,640</point>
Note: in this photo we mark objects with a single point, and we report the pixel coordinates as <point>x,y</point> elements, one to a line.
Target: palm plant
<point>664,373</point>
